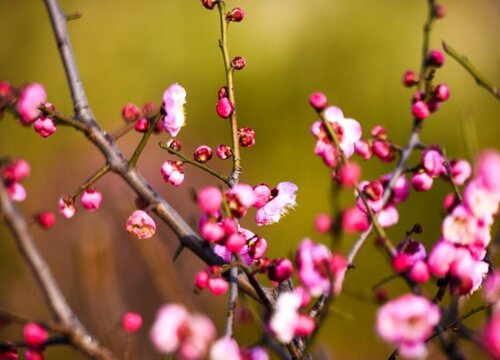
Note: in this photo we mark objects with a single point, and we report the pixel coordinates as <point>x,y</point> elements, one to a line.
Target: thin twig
<point>91,180</point>
<point>233,298</point>
<point>480,80</point>
<point>447,166</point>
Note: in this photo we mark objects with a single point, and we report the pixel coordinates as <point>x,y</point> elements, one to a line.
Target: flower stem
<point>99,174</point>
<point>138,151</point>
<point>224,24</point>
<point>480,80</point>
<point>202,166</point>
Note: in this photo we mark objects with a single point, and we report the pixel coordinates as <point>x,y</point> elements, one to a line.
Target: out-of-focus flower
<point>407,322</point>
<point>174,99</point>
<point>226,348</point>
<point>91,199</point>
<point>31,98</point>
<point>131,322</point>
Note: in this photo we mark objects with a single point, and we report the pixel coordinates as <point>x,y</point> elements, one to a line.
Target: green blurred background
<point>130,51</point>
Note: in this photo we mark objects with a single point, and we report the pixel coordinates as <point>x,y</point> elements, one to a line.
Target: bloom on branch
<point>31,98</point>
<point>174,117</point>
<point>407,322</point>
<point>282,199</point>
<point>141,225</point>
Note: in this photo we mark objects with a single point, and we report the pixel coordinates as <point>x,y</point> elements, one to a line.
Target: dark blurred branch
<point>480,80</point>
<point>49,287</point>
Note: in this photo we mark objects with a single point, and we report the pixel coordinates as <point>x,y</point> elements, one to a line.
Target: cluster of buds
<point>35,337</point>
<point>90,199</point>
<point>12,173</point>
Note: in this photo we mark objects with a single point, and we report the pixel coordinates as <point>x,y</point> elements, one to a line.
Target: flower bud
<point>246,137</point>
<point>201,280</point>
<point>209,4</point>
<point>222,92</point>
<point>420,272</point>
<point>363,149</point>
<point>281,270</point>
<point>224,107</point>
<point>318,101</point>
<point>17,171</point>
<point>257,248</point>
<point>439,11</point>
<point>263,194</point>
<point>174,144</point>
<point>131,322</point>
<point>236,15</point>
<point>224,152</point>
<point>323,223</point>
<point>235,242</point>
<point>141,225</point>
<point>238,63</point>
<point>442,92</point>
<point>141,125</point>
<point>421,181</point>
<point>45,126</point>
<point>435,58</point>
<point>172,172</point>
<point>382,149</point>
<point>410,78</point>
<point>374,190</point>
<point>46,219</point>
<point>31,98</point>
<point>209,199</point>
<point>229,225</point>
<point>348,174</point>
<point>34,334</point>
<point>67,206</point>
<point>420,110</point>
<point>91,199</point>
<point>203,153</point>
<point>6,89</point>
<point>217,285</point>
<point>131,112</point>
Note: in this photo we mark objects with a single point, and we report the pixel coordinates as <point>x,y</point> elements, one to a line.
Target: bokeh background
<point>130,51</point>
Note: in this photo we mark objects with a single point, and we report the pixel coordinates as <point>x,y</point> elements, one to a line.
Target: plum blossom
<point>141,225</point>
<point>173,172</point>
<point>31,97</point>
<point>91,199</point>
<point>282,199</point>
<point>174,99</point>
<point>67,206</point>
<point>407,322</point>
<point>286,319</point>
<point>45,126</point>
<point>488,170</point>
<point>226,348</point>
<point>186,335</point>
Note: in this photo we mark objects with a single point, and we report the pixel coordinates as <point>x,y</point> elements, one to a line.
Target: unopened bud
<point>224,107</point>
<point>236,15</point>
<point>174,144</point>
<point>410,78</point>
<point>246,137</point>
<point>436,58</point>
<point>238,63</point>
<point>203,153</point>
<point>141,125</point>
<point>318,101</point>
<point>131,112</point>
<point>209,4</point>
<point>224,152</point>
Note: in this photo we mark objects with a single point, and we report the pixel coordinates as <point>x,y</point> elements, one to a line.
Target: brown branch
<point>56,302</point>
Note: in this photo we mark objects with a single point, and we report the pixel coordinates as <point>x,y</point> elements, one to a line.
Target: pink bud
<point>238,63</point>
<point>257,248</point>
<point>420,272</point>
<point>281,270</point>
<point>209,199</point>
<point>433,163</point>
<point>6,89</point>
<point>382,149</point>
<point>235,242</point>
<point>400,262</point>
<point>131,112</point>
<point>363,149</point>
<point>142,125</point>
<point>491,336</point>
<point>421,181</point>
<point>17,171</point>
<point>449,202</point>
<point>441,257</point>
<point>224,152</point>
<point>210,231</point>
<point>45,126</point>
<point>349,174</point>
<point>236,15</point>
<point>91,199</point>
<point>174,144</point>
<point>217,285</point>
<point>439,11</point>
<point>304,326</point>
<point>460,171</point>
<point>201,280</point>
<point>323,223</point>
<point>420,110</point>
<point>374,190</point>
<point>34,334</point>
<point>379,132</point>
<point>246,137</point>
<point>209,4</point>
<point>263,195</point>
<point>203,153</point>
<point>172,172</point>
<point>354,220</point>
<point>46,219</point>
<point>442,92</point>
<point>16,191</point>
<point>31,98</point>
<point>229,225</point>
<point>410,78</point>
<point>131,322</point>
<point>318,101</point>
<point>149,109</point>
<point>141,225</point>
<point>224,107</point>
<point>67,206</point>
<point>222,93</point>
<point>436,58</point>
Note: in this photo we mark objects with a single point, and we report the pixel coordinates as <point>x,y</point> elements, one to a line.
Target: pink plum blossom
<point>388,216</point>
<point>282,199</point>
<point>31,98</point>
<point>280,270</point>
<point>407,322</point>
<point>461,227</point>
<point>363,149</point>
<point>173,172</point>
<point>433,163</point>
<point>16,191</point>
<point>422,181</point>
<point>488,170</point>
<point>226,348</point>
<point>323,223</point>
<point>467,273</point>
<point>354,220</point>
<point>348,174</point>
<point>480,201</point>
<point>91,199</point>
<point>67,206</point>
<point>239,199</point>
<point>263,195</point>
<point>176,331</point>
<point>141,225</point>
<point>45,126</point>
<point>460,171</point>
<point>17,171</point>
<point>441,257</point>
<point>348,131</point>
<point>174,99</point>
<point>209,199</point>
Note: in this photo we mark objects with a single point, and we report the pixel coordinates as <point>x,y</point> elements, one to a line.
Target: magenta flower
<point>174,99</point>
<point>31,98</point>
<point>282,199</point>
<point>141,225</point>
<point>407,322</point>
<point>176,331</point>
